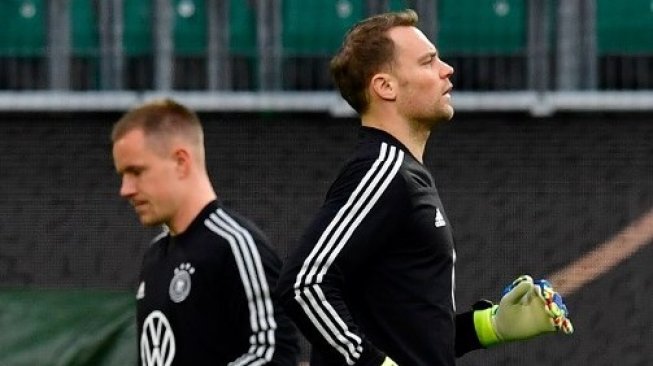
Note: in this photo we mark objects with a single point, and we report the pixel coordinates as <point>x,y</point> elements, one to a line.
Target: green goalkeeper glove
<point>388,362</point>
<point>526,310</point>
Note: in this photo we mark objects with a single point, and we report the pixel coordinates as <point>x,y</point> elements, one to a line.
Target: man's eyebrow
<point>129,169</point>
<point>430,55</point>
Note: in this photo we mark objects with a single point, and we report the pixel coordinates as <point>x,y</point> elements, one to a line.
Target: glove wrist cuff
<point>484,327</point>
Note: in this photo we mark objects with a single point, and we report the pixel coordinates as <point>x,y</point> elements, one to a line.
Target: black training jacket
<point>206,297</point>
<point>373,274</point>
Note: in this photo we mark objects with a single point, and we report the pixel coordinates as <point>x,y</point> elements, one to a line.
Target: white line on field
<point>604,257</point>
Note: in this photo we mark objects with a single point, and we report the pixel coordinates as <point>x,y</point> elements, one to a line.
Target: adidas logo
<point>439,219</point>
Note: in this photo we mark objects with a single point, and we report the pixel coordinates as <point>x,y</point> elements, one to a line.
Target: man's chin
<point>149,221</point>
<point>449,116</point>
<point>447,113</point>
<point>444,116</point>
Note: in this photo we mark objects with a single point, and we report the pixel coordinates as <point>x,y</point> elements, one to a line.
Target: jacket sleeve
<point>466,338</point>
<point>345,235</point>
<point>255,271</point>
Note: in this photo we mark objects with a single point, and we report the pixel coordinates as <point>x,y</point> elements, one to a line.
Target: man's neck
<point>198,197</point>
<point>412,135</point>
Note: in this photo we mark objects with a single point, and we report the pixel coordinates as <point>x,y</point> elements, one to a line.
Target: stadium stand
<point>485,41</point>
<point>309,44</point>
<point>243,46</point>
<point>23,44</point>
<point>85,41</point>
<point>624,44</point>
<point>137,43</point>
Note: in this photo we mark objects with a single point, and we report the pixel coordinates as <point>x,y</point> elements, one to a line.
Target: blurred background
<point>549,158</point>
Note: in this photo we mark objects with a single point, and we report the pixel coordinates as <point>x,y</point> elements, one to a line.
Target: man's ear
<point>182,159</point>
<point>383,85</point>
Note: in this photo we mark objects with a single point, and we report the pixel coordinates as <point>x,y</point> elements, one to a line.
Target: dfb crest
<point>180,283</point>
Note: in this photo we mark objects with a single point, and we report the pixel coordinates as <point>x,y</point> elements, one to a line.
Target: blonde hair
<point>162,120</point>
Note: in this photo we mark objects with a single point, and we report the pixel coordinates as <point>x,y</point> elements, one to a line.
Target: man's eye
<point>135,172</point>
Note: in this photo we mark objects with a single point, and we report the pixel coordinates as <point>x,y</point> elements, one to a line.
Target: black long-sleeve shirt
<point>373,274</point>
<point>206,297</point>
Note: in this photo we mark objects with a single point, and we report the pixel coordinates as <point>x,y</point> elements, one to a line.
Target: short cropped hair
<point>364,52</point>
<point>161,120</point>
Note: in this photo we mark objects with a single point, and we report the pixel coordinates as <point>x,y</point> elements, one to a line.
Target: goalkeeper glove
<point>526,310</point>
<point>388,362</point>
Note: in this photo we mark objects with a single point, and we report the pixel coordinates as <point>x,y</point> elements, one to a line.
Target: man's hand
<point>527,309</point>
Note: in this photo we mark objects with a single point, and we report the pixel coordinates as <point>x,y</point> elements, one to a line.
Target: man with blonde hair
<point>205,295</point>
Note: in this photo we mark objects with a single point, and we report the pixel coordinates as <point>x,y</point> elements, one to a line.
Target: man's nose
<point>127,187</point>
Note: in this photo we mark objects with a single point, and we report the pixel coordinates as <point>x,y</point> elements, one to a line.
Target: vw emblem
<point>157,341</point>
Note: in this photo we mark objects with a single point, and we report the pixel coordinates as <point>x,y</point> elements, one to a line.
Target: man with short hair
<point>206,285</point>
<point>372,280</point>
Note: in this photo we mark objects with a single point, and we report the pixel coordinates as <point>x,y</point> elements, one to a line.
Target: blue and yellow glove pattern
<point>527,309</point>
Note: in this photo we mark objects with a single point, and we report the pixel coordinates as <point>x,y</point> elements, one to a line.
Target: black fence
<point>523,195</point>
